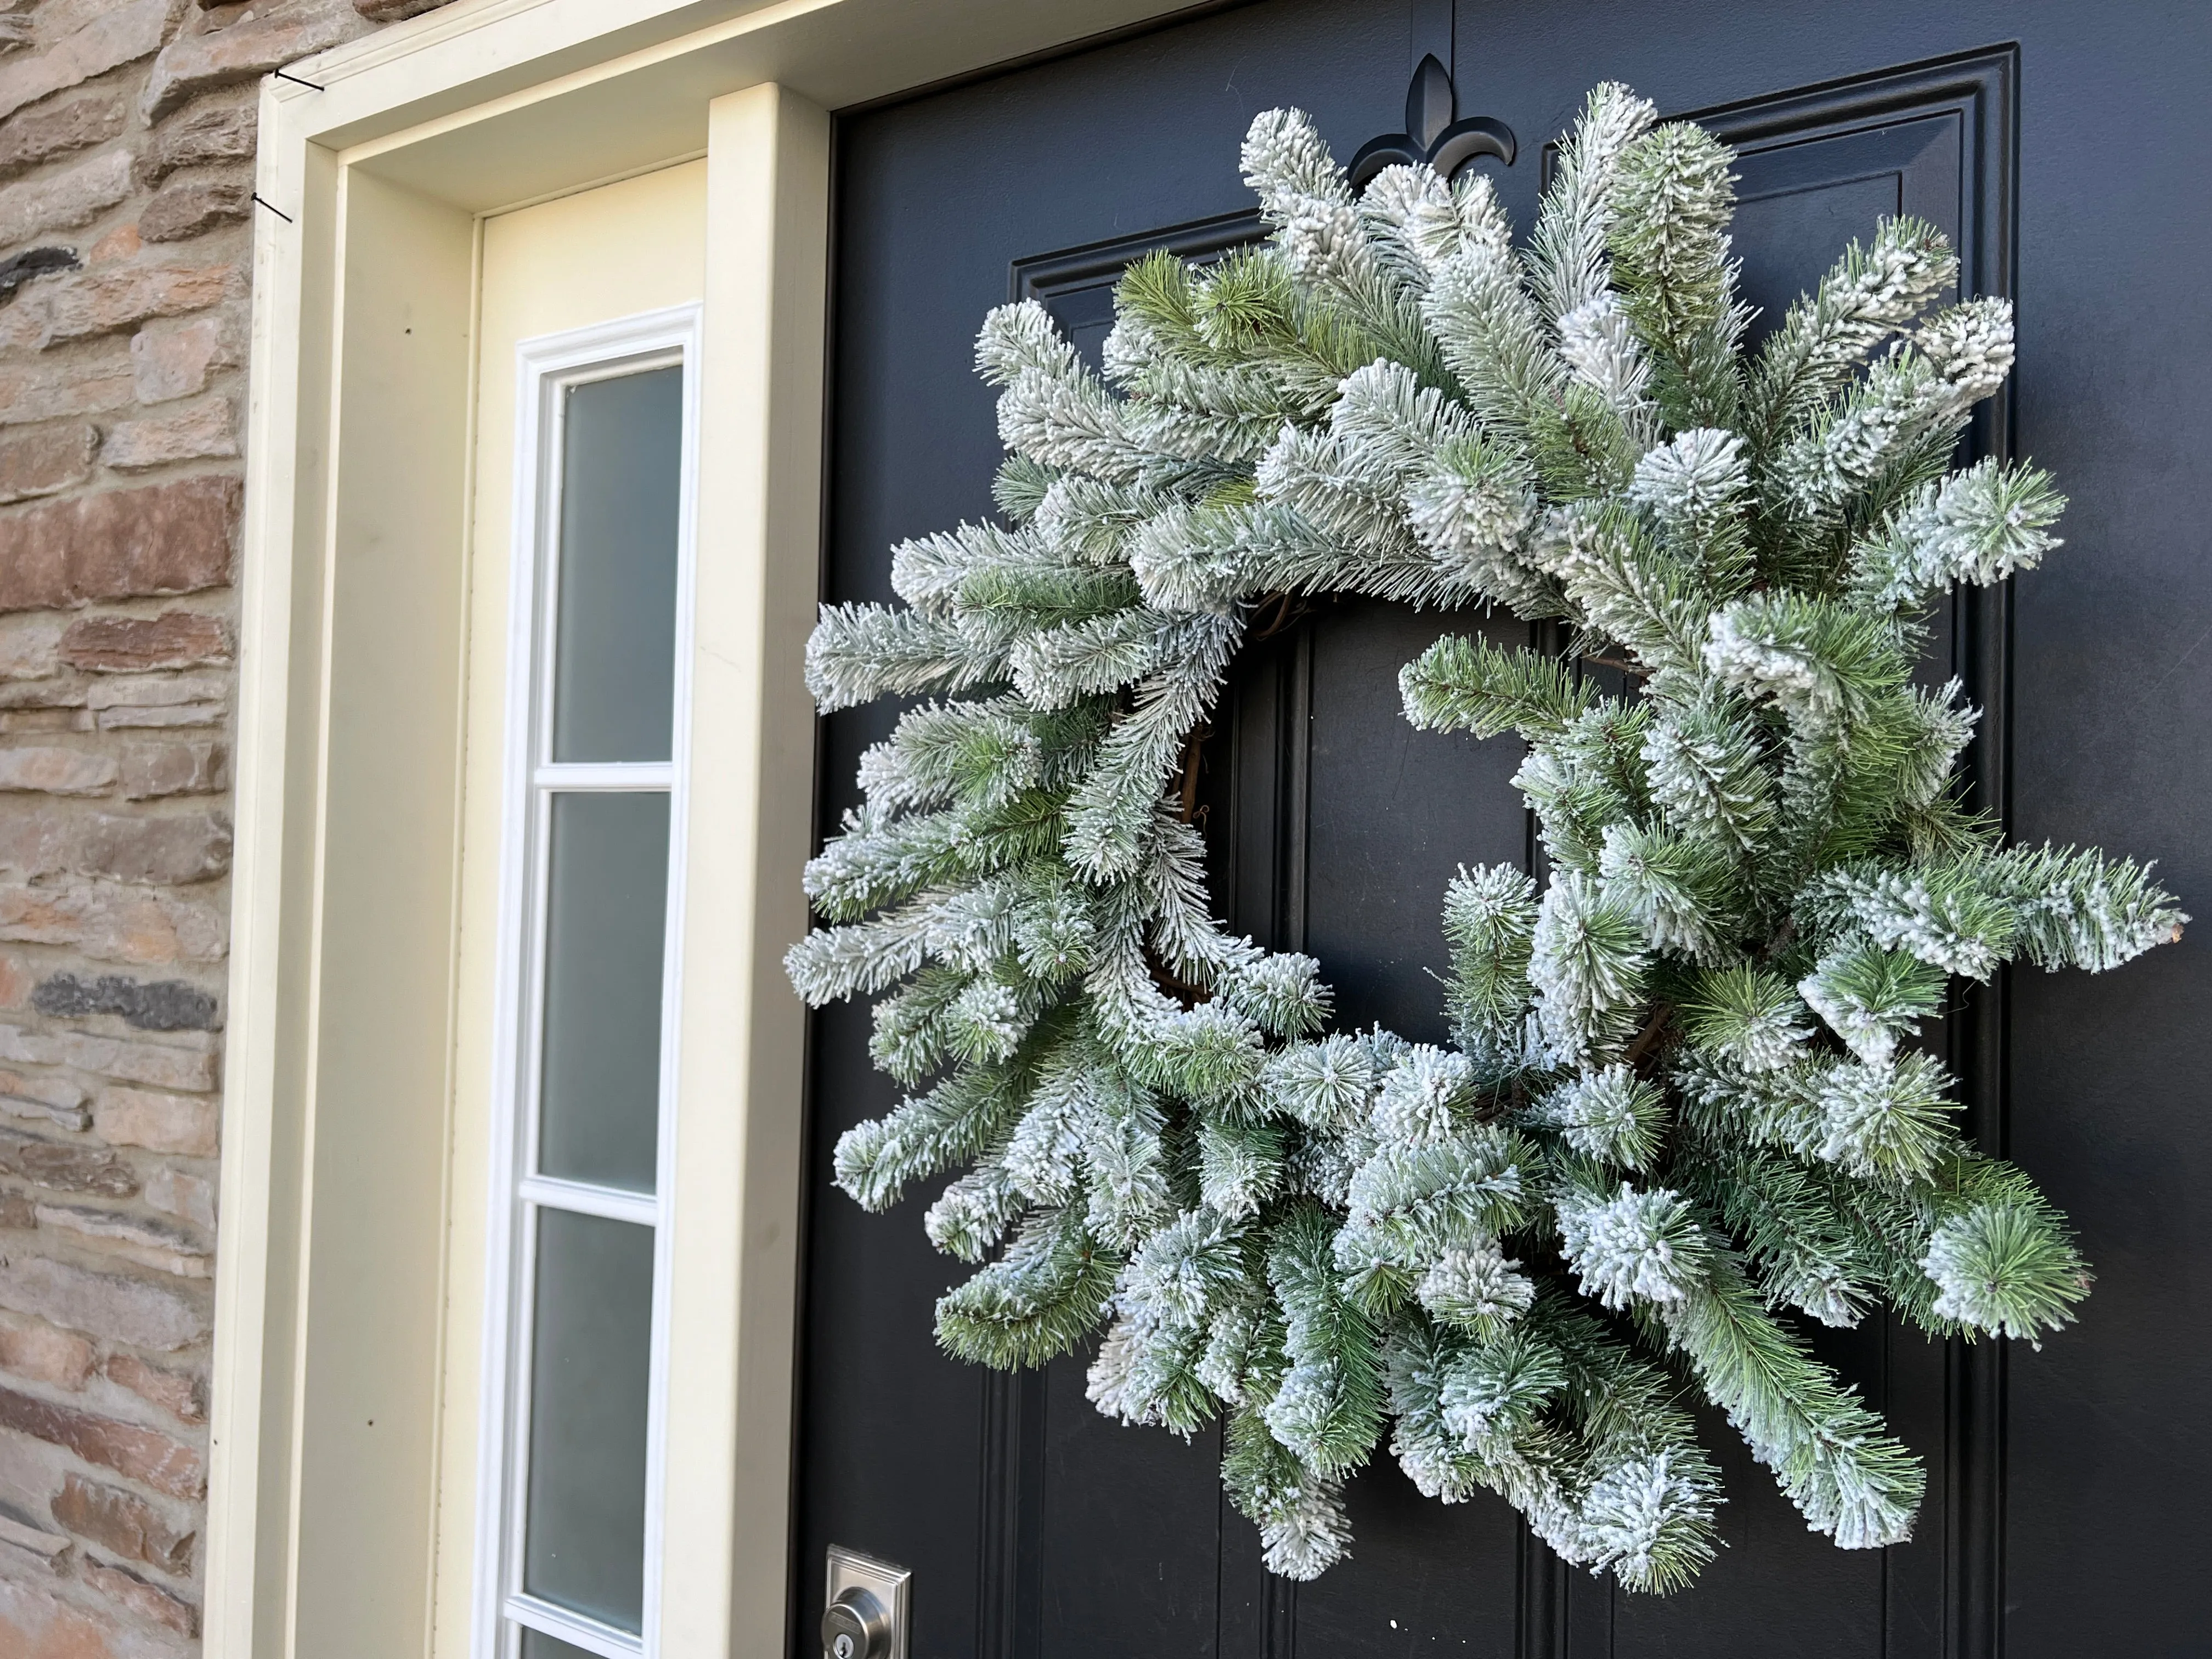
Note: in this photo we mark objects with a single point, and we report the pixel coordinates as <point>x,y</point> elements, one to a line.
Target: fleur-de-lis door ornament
<point>1434,133</point>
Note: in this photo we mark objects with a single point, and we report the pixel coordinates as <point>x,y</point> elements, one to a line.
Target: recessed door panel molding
<point>1037,1431</point>
<point>1076,284</point>
<point>1939,140</point>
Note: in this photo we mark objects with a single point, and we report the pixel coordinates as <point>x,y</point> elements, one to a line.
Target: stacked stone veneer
<point>126,142</point>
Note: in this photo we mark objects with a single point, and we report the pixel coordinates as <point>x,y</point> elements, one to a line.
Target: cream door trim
<point>339,1191</point>
<point>550,304</point>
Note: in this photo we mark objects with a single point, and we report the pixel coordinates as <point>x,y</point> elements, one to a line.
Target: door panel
<point>1389,813</point>
<point>1036,178</point>
<point>2054,1521</point>
<point>1128,1537</point>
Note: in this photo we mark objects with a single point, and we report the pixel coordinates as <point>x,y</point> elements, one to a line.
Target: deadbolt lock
<point>856,1626</point>
<point>864,1614</point>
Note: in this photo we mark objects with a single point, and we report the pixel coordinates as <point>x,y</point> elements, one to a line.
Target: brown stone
<point>188,207</point>
<point>14,986</point>
<point>186,1064</point>
<point>180,1394</point>
<point>182,714</point>
<point>36,841</point>
<point>40,1098</point>
<point>28,647</point>
<point>163,538</point>
<point>55,771</point>
<point>44,461</point>
<point>171,360</point>
<point>17,1213</point>
<point>130,645</point>
<point>35,1624</point>
<point>167,851</point>
<point>155,690</point>
<point>99,300</point>
<point>30,1474</point>
<point>247,50</point>
<point>55,386</point>
<point>159,1123</point>
<point>47,694</point>
<point>390,11</point>
<point>43,1090</point>
<point>113,923</point>
<point>118,35</point>
<point>22,325</point>
<point>215,129</point>
<point>66,1166</point>
<point>163,852</point>
<point>104,1305</point>
<point>78,194</point>
<point>34,1349</point>
<point>123,1524</point>
<point>31,1111</point>
<point>37,135</point>
<point>120,243</point>
<point>151,769</point>
<point>43,1546</point>
<point>187,1197</point>
<point>202,431</point>
<point>134,1238</point>
<point>147,1601</point>
<point>140,1453</point>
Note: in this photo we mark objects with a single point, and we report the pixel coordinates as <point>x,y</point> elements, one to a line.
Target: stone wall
<point>127,140</point>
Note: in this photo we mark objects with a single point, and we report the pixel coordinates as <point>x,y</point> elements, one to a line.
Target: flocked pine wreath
<point>1681,1103</point>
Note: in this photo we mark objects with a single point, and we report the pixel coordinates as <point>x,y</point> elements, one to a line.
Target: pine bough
<point>1682,1103</point>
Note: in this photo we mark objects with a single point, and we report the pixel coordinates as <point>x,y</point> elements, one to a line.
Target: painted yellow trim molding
<point>338,1178</point>
<point>544,272</point>
<point>742,1070</point>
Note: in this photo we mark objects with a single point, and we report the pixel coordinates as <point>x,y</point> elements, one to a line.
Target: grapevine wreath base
<point>1681,1109</point>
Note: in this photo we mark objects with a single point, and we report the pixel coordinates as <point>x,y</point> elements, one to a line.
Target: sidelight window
<point>577,1344</point>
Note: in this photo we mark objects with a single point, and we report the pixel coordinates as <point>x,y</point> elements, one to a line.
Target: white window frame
<point>546,366</point>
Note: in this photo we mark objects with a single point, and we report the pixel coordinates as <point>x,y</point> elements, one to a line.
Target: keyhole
<point>844,1648</point>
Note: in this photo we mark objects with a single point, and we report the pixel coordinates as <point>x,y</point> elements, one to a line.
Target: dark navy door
<point>2063,148</point>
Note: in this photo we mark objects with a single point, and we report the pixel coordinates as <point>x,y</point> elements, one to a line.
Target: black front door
<point>2062,148</point>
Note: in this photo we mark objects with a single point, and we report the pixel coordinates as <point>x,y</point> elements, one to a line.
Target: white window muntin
<point>547,368</point>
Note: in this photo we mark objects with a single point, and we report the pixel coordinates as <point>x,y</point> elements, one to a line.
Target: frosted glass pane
<point>614,662</point>
<point>584,1535</point>
<point>606,916</point>
<point>536,1644</point>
